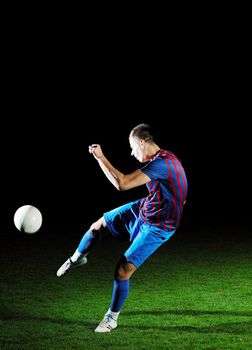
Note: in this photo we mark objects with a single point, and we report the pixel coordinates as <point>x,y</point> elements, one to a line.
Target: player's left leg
<point>123,272</point>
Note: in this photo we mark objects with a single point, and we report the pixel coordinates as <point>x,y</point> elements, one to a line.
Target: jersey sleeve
<point>156,169</point>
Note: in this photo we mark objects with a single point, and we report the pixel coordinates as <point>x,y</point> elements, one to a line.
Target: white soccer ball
<point>28,219</point>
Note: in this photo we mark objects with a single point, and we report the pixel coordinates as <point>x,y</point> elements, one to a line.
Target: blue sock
<point>87,242</point>
<point>119,295</point>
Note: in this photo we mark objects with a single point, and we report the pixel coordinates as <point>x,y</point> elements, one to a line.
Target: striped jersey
<point>167,191</point>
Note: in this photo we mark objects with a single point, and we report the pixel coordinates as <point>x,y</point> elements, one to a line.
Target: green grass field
<point>195,292</point>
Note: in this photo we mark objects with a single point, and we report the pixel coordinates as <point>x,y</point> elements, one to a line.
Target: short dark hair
<point>142,131</point>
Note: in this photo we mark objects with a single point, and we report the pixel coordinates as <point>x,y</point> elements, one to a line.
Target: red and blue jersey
<point>167,191</point>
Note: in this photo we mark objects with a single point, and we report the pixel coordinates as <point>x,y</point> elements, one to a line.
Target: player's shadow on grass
<point>9,315</point>
<point>229,327</point>
<point>225,328</point>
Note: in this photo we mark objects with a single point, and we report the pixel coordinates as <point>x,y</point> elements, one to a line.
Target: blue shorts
<point>123,222</point>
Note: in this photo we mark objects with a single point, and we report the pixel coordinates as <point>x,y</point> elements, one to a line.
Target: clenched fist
<point>96,150</point>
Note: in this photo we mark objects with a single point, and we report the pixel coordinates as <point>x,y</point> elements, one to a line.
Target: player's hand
<point>96,150</point>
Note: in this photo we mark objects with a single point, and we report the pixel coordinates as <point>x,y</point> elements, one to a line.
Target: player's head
<point>142,131</point>
<point>141,142</point>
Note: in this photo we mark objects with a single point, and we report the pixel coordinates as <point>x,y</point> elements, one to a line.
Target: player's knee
<point>121,273</point>
<point>124,270</point>
<point>98,225</point>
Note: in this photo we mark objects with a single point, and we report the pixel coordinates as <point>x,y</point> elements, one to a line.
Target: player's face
<point>137,149</point>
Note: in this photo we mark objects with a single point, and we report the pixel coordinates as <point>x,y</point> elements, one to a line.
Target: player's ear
<point>142,143</point>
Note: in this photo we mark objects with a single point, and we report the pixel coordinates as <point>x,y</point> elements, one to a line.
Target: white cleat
<point>69,265</point>
<point>106,325</point>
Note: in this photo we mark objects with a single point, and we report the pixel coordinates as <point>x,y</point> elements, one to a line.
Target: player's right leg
<point>88,241</point>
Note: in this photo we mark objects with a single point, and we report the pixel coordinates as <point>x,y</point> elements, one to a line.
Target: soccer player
<point>147,223</point>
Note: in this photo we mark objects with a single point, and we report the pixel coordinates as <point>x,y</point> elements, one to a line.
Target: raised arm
<point>121,181</point>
